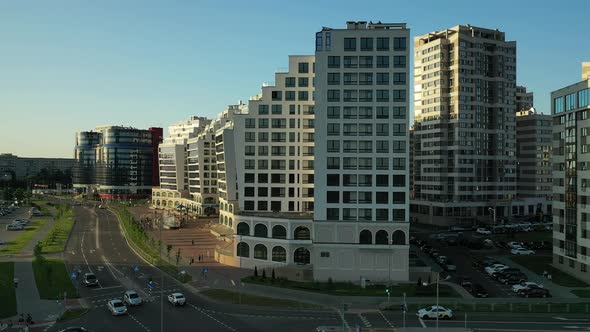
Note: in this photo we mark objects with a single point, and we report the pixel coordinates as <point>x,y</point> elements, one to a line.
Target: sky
<point>67,66</point>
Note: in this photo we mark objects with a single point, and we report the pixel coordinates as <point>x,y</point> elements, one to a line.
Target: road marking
<point>364,320</point>
<point>422,322</point>
<point>138,322</point>
<point>84,255</point>
<point>233,283</point>
<point>111,267</point>
<point>386,320</point>
<point>215,319</point>
<point>97,231</point>
<point>110,287</point>
<point>514,322</point>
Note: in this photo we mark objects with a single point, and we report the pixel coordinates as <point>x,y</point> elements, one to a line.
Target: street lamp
<point>493,218</point>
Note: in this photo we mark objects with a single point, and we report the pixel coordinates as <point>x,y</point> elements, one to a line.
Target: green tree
<point>8,194</point>
<point>38,250</point>
<point>19,194</point>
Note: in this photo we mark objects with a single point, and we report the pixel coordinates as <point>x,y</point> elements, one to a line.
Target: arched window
<point>382,237</point>
<point>260,252</point>
<point>366,237</point>
<point>301,233</point>
<point>279,232</point>
<point>301,256</point>
<point>225,219</point>
<point>231,222</point>
<point>260,230</point>
<point>243,229</point>
<point>279,254</point>
<point>243,249</point>
<point>398,237</point>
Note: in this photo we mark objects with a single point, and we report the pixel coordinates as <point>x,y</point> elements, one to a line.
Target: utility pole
<point>437,308</point>
<point>161,283</point>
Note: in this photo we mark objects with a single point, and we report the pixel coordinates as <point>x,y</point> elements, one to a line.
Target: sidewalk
<point>27,296</point>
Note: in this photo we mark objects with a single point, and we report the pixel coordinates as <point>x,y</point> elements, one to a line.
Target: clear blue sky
<point>72,65</point>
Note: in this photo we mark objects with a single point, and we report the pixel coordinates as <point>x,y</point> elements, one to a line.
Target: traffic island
<point>231,297</point>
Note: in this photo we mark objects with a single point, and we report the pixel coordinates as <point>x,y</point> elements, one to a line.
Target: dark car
<point>513,279</point>
<point>90,279</point>
<point>466,282</point>
<point>534,292</point>
<point>505,272</point>
<point>478,291</point>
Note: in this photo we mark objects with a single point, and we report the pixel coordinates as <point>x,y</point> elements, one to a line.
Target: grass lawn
<point>582,292</point>
<point>226,296</point>
<point>72,313</point>
<point>52,279</point>
<point>15,246</point>
<point>58,236</point>
<point>540,264</point>
<point>7,293</point>
<point>349,289</point>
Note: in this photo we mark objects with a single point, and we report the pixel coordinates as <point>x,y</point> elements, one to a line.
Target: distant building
<point>13,167</point>
<point>571,176</point>
<point>524,99</point>
<point>115,162</point>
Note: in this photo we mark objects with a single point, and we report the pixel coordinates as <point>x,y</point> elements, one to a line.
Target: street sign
<point>136,269</point>
<point>73,275</point>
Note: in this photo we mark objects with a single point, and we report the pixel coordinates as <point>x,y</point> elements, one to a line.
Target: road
<point>97,245</point>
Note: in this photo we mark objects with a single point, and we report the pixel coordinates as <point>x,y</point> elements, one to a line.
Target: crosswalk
<point>101,300</point>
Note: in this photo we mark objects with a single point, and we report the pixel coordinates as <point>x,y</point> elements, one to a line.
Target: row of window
<point>571,101</point>
<point>365,197</point>
<point>366,112</point>
<point>360,163</point>
<point>263,164</point>
<point>371,44</point>
<point>366,129</point>
<point>365,146</point>
<point>263,109</point>
<point>277,95</point>
<point>399,61</point>
<point>365,180</point>
<point>366,95</point>
<point>302,82</point>
<point>276,206</point>
<point>366,78</point>
<point>362,214</point>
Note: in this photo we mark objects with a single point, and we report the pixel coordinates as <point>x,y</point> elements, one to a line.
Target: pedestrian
<point>549,277</point>
<point>545,273</point>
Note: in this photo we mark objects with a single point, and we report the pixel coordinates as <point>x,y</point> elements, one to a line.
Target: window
<point>399,112</point>
<point>278,109</point>
<point>262,137</point>
<point>262,164</point>
<point>334,95</point>
<point>365,129</point>
<point>334,129</point>
<point>365,95</point>
<point>303,82</point>
<point>399,43</point>
<point>382,197</point>
<point>399,198</point>
<point>366,44</point>
<point>350,44</point>
<point>399,146</point>
<point>382,44</point>
<point>303,67</point>
<point>382,180</point>
<point>399,129</point>
<point>399,95</point>
<point>318,41</point>
<point>328,42</point>
<point>350,95</point>
<point>262,192</point>
<point>333,197</point>
<point>349,129</point>
<point>399,78</point>
<point>262,123</point>
<point>558,105</point>
<point>250,136</point>
<point>382,95</point>
<point>399,61</point>
<point>350,112</point>
<point>249,150</point>
<point>333,78</point>
<point>570,102</point>
<point>382,146</point>
<point>399,163</point>
<point>263,177</point>
<point>333,62</point>
<point>383,78</point>
<point>382,61</point>
<point>324,254</point>
<point>398,215</point>
<point>332,214</point>
<point>365,112</point>
<point>350,78</point>
<point>333,163</point>
<point>333,180</point>
<point>290,82</point>
<point>351,61</point>
<point>262,109</point>
<point>277,95</point>
<point>250,123</point>
<point>289,96</point>
<point>303,95</point>
<point>382,112</point>
<point>333,112</point>
<point>365,62</point>
<point>399,180</point>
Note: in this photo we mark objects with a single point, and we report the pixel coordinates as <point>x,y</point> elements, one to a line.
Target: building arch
<point>279,254</point>
<point>302,233</point>
<point>398,237</point>
<point>382,237</point>
<point>243,249</point>
<point>260,230</point>
<point>260,252</point>
<point>243,229</point>
<point>279,232</point>
<point>301,256</point>
<point>366,237</point>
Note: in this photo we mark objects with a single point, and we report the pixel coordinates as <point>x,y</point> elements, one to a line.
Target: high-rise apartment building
<point>534,143</point>
<point>114,162</point>
<point>13,167</point>
<point>465,137</point>
<point>361,217</point>
<point>571,176</point>
<point>266,164</point>
<point>524,99</point>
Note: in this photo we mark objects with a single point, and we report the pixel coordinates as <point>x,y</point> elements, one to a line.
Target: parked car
<point>441,260</point>
<point>522,251</point>
<point>483,231</point>
<point>478,291</point>
<point>90,279</point>
<point>449,266</point>
<point>13,227</point>
<point>131,298</point>
<point>513,279</point>
<point>117,307</point>
<point>466,282</point>
<point>495,268</point>
<point>434,311</point>
<point>534,292</point>
<point>525,285</point>
<point>176,299</point>
<point>514,245</point>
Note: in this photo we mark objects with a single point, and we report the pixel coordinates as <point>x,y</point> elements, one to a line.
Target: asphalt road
<point>97,245</point>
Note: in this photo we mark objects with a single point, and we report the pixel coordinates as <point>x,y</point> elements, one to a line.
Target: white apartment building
<point>464,126</point>
<point>361,217</point>
<point>571,177</point>
<point>267,165</point>
<point>173,168</point>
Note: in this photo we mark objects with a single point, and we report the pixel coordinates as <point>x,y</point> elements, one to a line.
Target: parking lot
<point>8,236</point>
<point>464,251</point>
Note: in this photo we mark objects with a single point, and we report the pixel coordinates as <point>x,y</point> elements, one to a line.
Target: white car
<point>433,312</point>
<point>483,231</point>
<point>117,307</point>
<point>514,245</point>
<point>522,251</point>
<point>525,285</point>
<point>176,299</point>
<point>495,268</point>
<point>131,298</point>
<point>15,227</point>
